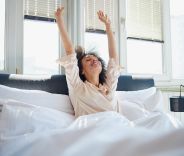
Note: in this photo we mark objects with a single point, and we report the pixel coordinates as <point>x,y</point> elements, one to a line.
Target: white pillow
<point>154,102</point>
<point>136,96</point>
<point>137,104</point>
<point>39,98</point>
<point>19,118</point>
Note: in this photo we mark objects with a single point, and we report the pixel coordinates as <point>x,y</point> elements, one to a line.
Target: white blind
<point>91,9</point>
<point>144,19</point>
<point>41,8</point>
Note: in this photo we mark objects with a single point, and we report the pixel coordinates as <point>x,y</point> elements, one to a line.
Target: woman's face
<point>91,65</point>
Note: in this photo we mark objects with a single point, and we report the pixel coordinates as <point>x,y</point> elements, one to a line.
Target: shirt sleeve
<point>69,62</point>
<point>113,73</point>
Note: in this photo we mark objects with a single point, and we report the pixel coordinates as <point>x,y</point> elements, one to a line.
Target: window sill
<point>169,86</point>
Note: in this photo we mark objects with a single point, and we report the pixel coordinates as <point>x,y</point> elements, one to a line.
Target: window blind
<point>40,9</point>
<point>92,7</point>
<point>144,20</point>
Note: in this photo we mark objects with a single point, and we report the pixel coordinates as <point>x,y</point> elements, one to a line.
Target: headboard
<point>57,83</point>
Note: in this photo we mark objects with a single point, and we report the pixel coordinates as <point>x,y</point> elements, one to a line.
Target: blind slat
<point>144,19</point>
<point>91,9</point>
<point>42,8</point>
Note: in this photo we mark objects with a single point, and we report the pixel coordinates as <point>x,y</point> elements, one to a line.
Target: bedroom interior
<point>36,111</point>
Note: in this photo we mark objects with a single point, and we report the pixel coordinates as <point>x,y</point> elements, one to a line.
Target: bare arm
<point>111,40</point>
<point>63,32</point>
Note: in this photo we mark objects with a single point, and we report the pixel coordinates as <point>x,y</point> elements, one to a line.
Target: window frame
<point>4,66</point>
<point>61,51</point>
<point>169,81</point>
<point>13,36</point>
<point>166,50</point>
<point>14,41</point>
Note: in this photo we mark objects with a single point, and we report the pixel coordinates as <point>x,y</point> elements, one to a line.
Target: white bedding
<point>29,130</point>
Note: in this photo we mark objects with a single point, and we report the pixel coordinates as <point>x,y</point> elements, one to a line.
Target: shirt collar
<point>101,87</point>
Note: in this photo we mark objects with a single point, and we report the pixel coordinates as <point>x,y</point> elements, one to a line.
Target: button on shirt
<point>86,98</point>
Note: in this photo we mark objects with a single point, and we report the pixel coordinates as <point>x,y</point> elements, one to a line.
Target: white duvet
<point>29,130</point>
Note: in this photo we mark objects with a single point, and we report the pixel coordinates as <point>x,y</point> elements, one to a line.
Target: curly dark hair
<point>80,55</point>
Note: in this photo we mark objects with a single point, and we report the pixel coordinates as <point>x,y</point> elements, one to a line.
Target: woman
<point>91,86</point>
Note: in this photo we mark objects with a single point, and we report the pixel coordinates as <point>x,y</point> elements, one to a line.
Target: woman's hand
<point>103,18</point>
<point>59,12</point>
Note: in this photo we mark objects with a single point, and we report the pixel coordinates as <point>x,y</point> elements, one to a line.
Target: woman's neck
<point>94,80</point>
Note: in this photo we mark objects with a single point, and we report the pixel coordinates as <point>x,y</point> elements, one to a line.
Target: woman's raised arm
<point>111,40</point>
<point>63,32</point>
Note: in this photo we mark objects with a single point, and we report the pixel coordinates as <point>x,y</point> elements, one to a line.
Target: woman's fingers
<point>103,17</point>
<point>59,11</point>
<point>100,13</point>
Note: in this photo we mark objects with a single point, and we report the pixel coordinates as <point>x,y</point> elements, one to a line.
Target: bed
<point>37,118</point>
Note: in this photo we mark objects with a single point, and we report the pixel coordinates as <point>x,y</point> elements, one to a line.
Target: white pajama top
<point>86,98</point>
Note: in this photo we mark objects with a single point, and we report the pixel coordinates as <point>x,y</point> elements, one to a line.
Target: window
<point>2,31</point>
<point>144,37</point>
<point>41,37</point>
<point>144,57</point>
<point>177,38</point>
<point>95,37</point>
<point>41,47</point>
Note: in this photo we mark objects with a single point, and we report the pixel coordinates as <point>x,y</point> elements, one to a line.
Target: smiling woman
<point>2,30</point>
<point>95,91</point>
